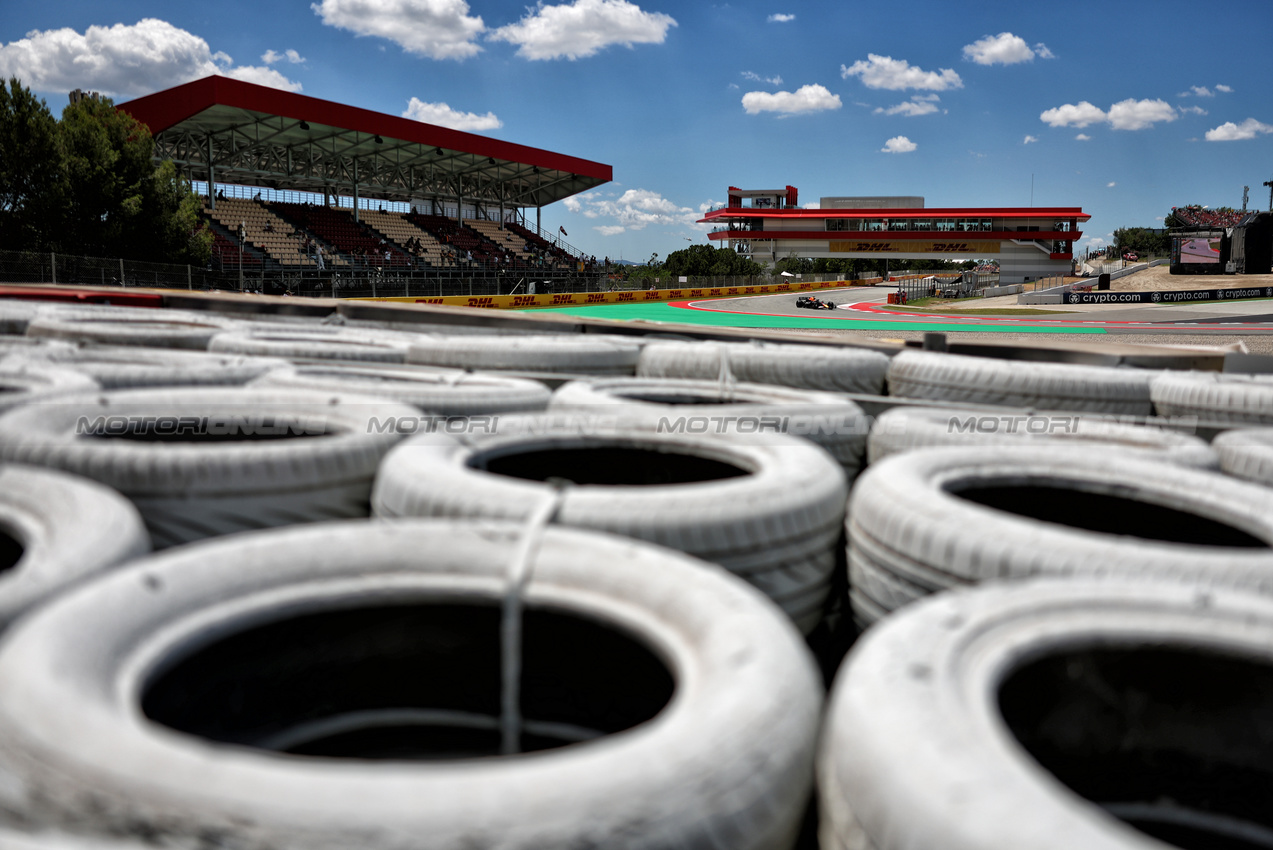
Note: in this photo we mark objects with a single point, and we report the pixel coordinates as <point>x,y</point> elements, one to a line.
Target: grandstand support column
<point>356,189</point>
<point>212,178</point>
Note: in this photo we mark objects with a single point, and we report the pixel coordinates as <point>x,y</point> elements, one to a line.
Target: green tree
<point>32,185</point>
<point>795,265</point>
<point>1142,240</point>
<point>704,261</point>
<point>118,202</point>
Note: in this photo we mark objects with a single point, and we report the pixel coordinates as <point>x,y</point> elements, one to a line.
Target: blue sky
<point>1123,108</point>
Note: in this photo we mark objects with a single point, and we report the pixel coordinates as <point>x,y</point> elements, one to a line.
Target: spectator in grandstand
<point>318,256</point>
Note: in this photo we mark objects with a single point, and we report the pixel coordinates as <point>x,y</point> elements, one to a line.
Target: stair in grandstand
<point>396,228</point>
<point>273,238</point>
<point>463,241</point>
<point>225,250</point>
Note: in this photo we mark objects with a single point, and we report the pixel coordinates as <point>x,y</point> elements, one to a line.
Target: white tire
<point>220,690</point>
<point>205,461</point>
<point>24,380</point>
<point>436,391</point>
<point>55,529</point>
<point>16,314</point>
<point>813,367</point>
<point>578,353</point>
<point>154,328</point>
<point>767,510</point>
<point>320,342</point>
<point>1054,715</point>
<point>1215,397</point>
<point>127,367</point>
<point>825,419</point>
<point>1014,383</point>
<point>928,520</point>
<point>1247,453</point>
<point>908,428</point>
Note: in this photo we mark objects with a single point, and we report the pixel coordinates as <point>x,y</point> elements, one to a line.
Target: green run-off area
<point>660,312</point>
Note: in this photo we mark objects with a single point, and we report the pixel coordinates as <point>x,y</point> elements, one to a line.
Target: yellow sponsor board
<point>631,296</point>
<point>911,246</point>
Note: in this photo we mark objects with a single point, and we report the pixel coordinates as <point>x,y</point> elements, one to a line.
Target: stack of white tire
<point>352,520</point>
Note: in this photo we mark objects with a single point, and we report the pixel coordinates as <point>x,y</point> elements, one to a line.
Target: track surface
<point>864,309</point>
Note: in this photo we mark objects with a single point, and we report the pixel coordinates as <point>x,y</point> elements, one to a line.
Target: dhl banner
<point>910,246</point>
<point>570,299</point>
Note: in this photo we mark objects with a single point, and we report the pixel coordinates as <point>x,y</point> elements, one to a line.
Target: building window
<point>877,224</point>
<point>837,224</point>
<point>922,224</point>
<point>945,224</point>
<point>899,224</point>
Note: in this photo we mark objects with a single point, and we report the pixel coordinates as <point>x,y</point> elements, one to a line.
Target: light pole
<point>243,232</point>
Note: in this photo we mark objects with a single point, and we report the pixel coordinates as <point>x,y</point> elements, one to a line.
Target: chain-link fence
<point>42,267</point>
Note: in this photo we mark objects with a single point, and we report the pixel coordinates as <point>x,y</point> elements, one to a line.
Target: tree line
<point>88,185</point>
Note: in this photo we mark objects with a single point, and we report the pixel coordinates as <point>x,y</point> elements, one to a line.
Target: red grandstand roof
<point>239,119</point>
<point>920,212</point>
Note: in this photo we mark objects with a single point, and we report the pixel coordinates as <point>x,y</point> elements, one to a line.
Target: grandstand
<point>470,247</point>
<point>321,165</point>
<point>402,233</point>
<point>539,244</point>
<point>349,238</point>
<point>1196,216</point>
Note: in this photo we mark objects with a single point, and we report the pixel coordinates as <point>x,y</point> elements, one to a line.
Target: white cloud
<point>754,77</point>
<point>124,59</point>
<point>1073,115</point>
<point>1202,91</point>
<point>885,72</point>
<point>1195,110</point>
<point>1138,114</point>
<point>262,77</point>
<point>1110,185</point>
<point>899,144</point>
<point>1230,132</point>
<point>1127,114</point>
<point>635,209</point>
<point>811,98</point>
<point>1041,50</point>
<point>1225,89</point>
<point>779,18</point>
<point>1029,139</point>
<point>439,29</point>
<point>1083,137</point>
<point>582,28</point>
<point>271,56</point>
<point>920,104</point>
<point>1002,49</point>
<point>445,116</point>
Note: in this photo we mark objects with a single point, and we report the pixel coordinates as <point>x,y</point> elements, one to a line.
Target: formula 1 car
<point>808,302</point>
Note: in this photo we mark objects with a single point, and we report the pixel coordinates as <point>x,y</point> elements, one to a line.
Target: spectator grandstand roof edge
<point>256,135</point>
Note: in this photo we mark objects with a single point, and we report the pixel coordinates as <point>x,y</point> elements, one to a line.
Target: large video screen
<point>1197,251</point>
